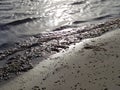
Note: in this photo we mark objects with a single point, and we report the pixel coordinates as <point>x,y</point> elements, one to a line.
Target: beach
<point>89,65</point>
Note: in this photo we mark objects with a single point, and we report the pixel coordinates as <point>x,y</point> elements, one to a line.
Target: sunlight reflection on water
<point>52,14</point>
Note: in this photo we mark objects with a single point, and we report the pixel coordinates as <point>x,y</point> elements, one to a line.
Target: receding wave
<point>64,27</point>
<point>102,17</point>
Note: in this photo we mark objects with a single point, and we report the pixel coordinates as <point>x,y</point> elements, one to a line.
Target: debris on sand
<point>95,48</point>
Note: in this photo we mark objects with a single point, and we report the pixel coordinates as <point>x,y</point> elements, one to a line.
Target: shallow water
<point>28,17</point>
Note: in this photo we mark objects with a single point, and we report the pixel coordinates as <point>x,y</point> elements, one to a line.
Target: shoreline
<point>91,68</point>
<point>26,54</point>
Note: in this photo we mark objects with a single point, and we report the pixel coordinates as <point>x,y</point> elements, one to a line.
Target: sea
<point>21,18</point>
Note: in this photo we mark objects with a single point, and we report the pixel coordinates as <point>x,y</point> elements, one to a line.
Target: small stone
<point>106,89</point>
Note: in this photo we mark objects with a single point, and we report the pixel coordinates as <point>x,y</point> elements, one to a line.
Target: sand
<point>92,64</point>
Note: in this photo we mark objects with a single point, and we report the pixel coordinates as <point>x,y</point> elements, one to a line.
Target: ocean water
<point>19,18</point>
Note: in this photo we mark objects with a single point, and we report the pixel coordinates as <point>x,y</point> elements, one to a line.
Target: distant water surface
<point>28,17</point>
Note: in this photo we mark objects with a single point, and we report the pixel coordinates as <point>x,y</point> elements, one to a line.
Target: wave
<point>17,22</point>
<point>22,21</point>
<point>93,19</point>
<point>78,2</point>
<point>64,27</point>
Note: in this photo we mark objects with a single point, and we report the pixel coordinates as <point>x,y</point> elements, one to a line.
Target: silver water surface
<point>27,17</point>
